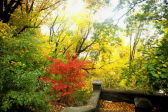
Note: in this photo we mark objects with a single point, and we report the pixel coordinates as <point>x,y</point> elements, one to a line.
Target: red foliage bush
<point>70,75</point>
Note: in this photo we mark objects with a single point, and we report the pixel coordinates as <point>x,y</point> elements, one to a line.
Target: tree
<point>22,62</point>
<point>28,10</point>
<point>65,39</point>
<point>7,8</point>
<point>152,61</point>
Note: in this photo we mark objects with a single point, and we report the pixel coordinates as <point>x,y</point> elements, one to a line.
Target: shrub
<point>65,77</point>
<point>21,66</point>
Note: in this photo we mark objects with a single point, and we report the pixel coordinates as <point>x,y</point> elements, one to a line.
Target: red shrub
<point>70,75</point>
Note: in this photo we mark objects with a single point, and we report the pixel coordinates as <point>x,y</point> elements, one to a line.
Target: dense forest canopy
<point>51,50</point>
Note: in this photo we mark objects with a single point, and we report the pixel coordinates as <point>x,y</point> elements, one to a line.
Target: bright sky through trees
<point>74,7</point>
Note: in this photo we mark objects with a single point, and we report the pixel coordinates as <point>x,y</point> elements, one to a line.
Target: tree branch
<point>84,49</point>
<point>1,7</point>
<point>15,6</point>
<point>49,6</point>
<point>132,7</point>
<point>43,18</point>
<point>24,28</point>
<point>31,6</point>
<point>83,41</point>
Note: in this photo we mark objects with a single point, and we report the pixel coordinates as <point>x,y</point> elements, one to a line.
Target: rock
<point>142,105</point>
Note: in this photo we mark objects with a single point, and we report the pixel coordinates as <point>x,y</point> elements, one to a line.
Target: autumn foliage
<point>65,77</point>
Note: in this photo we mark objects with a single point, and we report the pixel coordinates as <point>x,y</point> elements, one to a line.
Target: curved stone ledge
<point>92,103</point>
<point>129,95</point>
